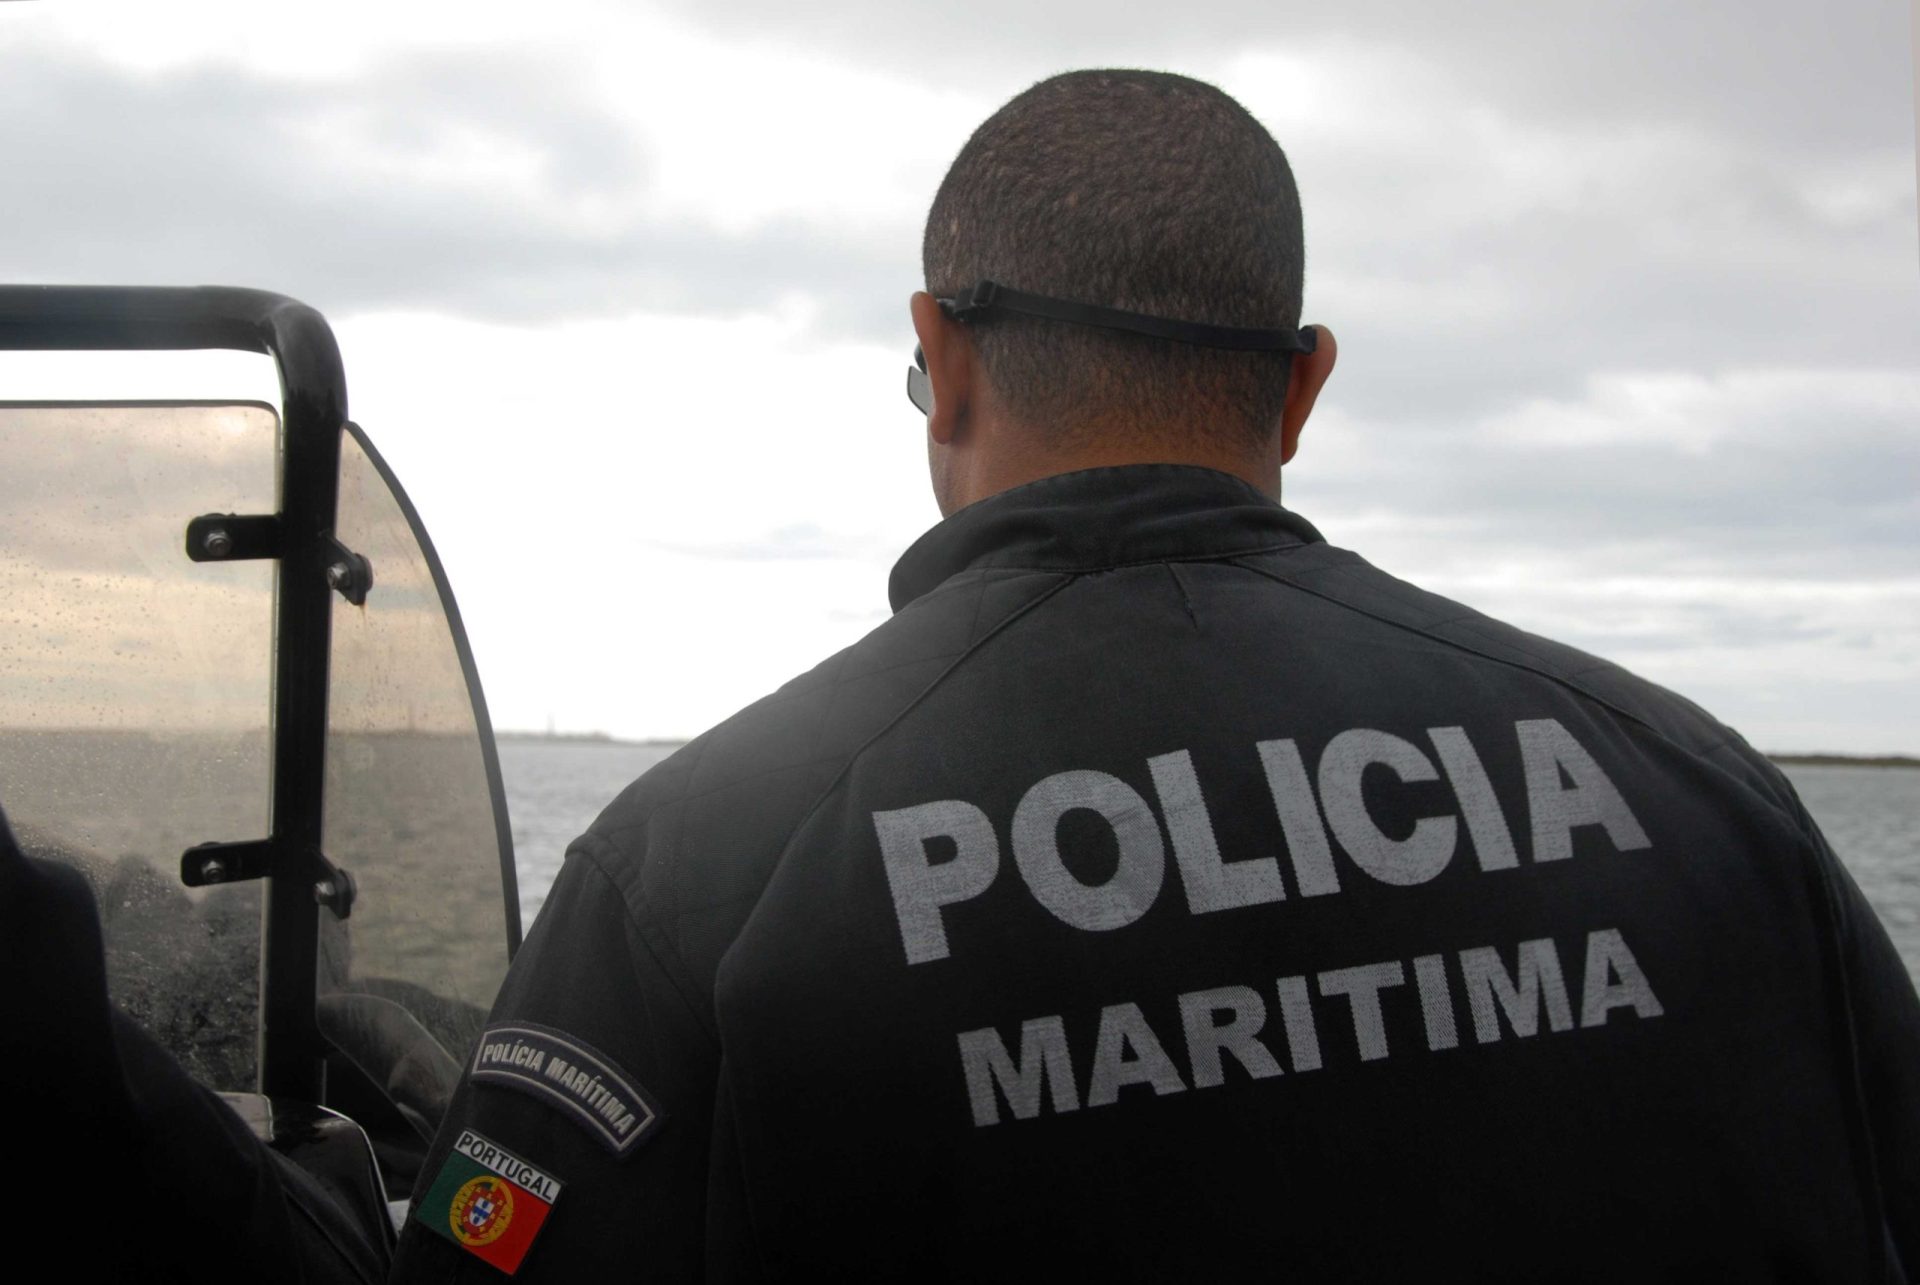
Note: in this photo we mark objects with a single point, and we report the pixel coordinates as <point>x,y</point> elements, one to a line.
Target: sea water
<point>1871,816</point>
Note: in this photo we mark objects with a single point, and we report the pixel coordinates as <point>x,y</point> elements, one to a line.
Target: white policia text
<point>1227,1021</point>
<point>1565,789</point>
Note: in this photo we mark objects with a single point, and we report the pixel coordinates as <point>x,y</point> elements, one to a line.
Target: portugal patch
<point>488,1201</point>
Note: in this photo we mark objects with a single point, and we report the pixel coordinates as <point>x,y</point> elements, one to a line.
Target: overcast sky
<point>1628,300</point>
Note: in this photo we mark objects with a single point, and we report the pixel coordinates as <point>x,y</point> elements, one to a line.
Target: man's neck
<point>1003,472</point>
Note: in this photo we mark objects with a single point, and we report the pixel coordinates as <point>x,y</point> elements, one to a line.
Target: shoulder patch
<point>488,1201</point>
<point>566,1072</point>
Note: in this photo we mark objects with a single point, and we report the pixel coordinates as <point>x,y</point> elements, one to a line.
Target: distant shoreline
<point>1784,760</point>
<point>590,738</point>
<point>1845,760</point>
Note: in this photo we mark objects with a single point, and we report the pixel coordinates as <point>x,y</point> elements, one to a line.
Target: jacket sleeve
<point>596,1073</point>
<point>1884,1015</point>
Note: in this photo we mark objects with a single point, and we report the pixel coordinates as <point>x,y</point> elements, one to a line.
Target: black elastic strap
<point>989,297</point>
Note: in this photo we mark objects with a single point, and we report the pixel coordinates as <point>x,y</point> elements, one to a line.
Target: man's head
<point>1135,190</point>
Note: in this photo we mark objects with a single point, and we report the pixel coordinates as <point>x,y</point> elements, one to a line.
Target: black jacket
<point>1163,894</point>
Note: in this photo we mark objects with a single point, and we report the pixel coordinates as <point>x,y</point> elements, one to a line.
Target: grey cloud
<point>1709,253</point>
<point>1460,293</point>
<point>220,176</point>
<point>1665,270</point>
<point>1796,73</point>
<point>1692,622</point>
<point>1443,302</point>
<point>1789,495</point>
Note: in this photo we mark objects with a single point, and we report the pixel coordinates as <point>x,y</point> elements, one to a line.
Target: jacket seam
<point>1539,666</point>
<point>1083,569</point>
<point>590,847</point>
<point>826,793</point>
<point>786,848</point>
<point>596,846</point>
<point>1815,870</point>
<point>833,700</point>
<point>772,699</point>
<point>1467,620</point>
<point>1839,987</point>
<point>979,605</point>
<point>685,800</point>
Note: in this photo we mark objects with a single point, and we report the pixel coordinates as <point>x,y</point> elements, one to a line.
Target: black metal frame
<point>314,414</point>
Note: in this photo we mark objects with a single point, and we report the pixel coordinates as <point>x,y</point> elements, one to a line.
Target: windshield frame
<point>313,418</point>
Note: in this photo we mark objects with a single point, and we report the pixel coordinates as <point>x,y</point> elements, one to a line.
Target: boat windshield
<point>410,785</point>
<point>134,694</point>
<point>135,711</point>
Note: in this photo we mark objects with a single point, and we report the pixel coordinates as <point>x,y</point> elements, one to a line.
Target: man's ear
<point>949,357</point>
<point>1308,377</point>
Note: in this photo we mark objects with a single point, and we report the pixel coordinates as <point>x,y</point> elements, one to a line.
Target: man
<point>1164,894</point>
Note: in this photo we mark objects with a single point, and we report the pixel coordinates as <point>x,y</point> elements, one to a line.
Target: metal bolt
<point>218,543</point>
<point>339,576</point>
<point>213,870</point>
<point>325,891</point>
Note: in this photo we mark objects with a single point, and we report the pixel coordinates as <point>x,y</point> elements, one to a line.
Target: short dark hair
<point>1139,190</point>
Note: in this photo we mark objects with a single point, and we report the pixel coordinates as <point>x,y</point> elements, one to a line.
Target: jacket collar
<point>1100,518</point>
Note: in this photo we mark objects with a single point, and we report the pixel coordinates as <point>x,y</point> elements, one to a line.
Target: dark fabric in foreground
<point>1164,894</point>
<point>137,1173</point>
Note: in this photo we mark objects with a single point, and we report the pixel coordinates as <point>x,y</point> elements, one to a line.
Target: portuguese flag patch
<point>488,1201</point>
